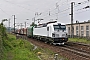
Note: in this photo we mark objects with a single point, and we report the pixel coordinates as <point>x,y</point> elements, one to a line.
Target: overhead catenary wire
<point>81,3</point>
<point>7,15</point>
<point>58,12</point>
<point>83,8</point>
<point>19,5</point>
<point>24,7</point>
<point>76,6</point>
<point>62,11</point>
<point>4,11</point>
<point>48,9</point>
<point>75,13</point>
<point>82,11</point>
<point>63,3</point>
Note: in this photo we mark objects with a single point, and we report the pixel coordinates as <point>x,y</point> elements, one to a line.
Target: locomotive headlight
<point>66,34</point>
<point>53,35</point>
<point>62,39</point>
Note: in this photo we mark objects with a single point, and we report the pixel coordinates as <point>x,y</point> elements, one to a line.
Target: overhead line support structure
<point>9,25</point>
<point>72,29</point>
<point>14,22</point>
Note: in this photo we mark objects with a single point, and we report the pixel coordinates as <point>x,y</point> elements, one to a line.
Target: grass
<point>81,40</point>
<point>46,54</point>
<point>23,50</point>
<point>18,49</point>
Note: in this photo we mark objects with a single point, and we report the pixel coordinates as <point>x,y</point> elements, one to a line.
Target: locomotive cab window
<point>56,27</point>
<point>63,27</point>
<point>47,28</point>
<point>59,27</point>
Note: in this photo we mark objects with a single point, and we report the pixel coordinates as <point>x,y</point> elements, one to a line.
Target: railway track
<point>79,52</point>
<point>79,46</point>
<point>72,51</point>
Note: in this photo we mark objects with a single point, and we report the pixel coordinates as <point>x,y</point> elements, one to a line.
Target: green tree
<point>3,36</point>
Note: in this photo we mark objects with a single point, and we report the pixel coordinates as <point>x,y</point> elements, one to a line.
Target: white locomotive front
<point>57,32</point>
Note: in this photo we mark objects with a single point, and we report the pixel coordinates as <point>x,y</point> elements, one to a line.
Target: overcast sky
<point>26,9</point>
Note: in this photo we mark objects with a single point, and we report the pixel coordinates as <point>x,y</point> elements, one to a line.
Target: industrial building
<point>80,29</point>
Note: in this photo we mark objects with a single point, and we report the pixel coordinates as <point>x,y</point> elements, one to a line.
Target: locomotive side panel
<point>40,31</point>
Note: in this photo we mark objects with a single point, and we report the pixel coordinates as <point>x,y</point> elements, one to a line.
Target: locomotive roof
<point>56,23</point>
<point>47,24</point>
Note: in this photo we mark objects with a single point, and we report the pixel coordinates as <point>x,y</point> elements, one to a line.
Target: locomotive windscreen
<point>59,27</point>
<point>63,27</point>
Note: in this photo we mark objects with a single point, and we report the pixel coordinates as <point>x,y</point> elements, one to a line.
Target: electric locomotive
<point>53,33</point>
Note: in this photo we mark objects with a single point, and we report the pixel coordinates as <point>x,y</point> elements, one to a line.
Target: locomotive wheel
<point>46,41</point>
